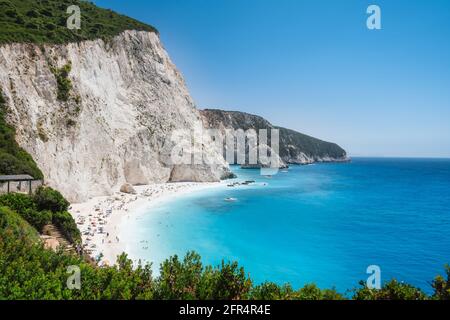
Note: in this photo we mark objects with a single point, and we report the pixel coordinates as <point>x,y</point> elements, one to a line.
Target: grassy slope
<point>13,222</point>
<point>13,159</point>
<point>44,21</point>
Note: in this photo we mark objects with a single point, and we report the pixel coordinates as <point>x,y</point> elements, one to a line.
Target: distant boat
<point>230,199</point>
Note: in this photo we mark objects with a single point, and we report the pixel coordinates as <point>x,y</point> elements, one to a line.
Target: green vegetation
<point>441,286</point>
<point>50,199</point>
<point>25,206</point>
<point>12,222</point>
<point>310,146</point>
<point>392,290</point>
<point>45,21</point>
<point>28,271</point>
<point>13,159</point>
<point>63,81</point>
<point>44,207</point>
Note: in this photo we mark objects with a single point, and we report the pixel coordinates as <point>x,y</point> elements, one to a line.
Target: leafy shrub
<point>180,279</point>
<point>32,13</point>
<point>11,221</point>
<point>13,159</point>
<point>47,13</point>
<point>271,291</point>
<point>63,81</point>
<point>228,281</point>
<point>17,201</point>
<point>11,13</point>
<point>37,219</point>
<point>37,14</point>
<point>20,20</point>
<point>312,292</point>
<point>188,279</point>
<point>13,164</point>
<point>50,26</point>
<point>28,271</point>
<point>44,207</point>
<point>66,224</point>
<point>24,205</point>
<point>47,198</point>
<point>31,25</point>
<point>441,286</point>
<point>392,290</point>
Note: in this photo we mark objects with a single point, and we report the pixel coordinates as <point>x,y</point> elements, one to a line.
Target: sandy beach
<point>99,219</point>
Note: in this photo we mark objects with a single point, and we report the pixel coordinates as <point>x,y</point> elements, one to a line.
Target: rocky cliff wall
<point>97,114</point>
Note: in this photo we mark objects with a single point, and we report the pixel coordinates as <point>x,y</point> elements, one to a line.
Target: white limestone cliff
<point>126,100</point>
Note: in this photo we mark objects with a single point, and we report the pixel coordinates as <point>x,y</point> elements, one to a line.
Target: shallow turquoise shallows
<point>322,224</point>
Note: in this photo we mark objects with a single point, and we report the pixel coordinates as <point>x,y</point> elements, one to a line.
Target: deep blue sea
<point>322,224</point>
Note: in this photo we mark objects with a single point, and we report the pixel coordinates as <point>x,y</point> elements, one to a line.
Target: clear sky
<point>313,66</point>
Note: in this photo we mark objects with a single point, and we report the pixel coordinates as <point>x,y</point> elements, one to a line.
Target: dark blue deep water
<point>322,224</point>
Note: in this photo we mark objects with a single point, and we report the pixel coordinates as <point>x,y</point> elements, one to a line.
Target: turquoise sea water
<point>323,223</point>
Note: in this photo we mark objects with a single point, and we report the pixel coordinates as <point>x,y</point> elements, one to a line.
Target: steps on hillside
<point>53,239</point>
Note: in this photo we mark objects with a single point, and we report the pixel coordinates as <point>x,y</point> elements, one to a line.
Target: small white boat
<point>230,199</point>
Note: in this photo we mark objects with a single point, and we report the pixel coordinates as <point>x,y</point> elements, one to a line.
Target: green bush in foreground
<point>441,286</point>
<point>28,271</point>
<point>44,207</point>
<point>11,222</point>
<point>26,207</point>
<point>47,198</point>
<point>392,290</point>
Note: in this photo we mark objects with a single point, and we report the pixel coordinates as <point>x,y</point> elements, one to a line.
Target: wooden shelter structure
<point>17,178</point>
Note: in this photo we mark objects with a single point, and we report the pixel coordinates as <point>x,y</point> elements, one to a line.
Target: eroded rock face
<point>127,98</point>
<point>294,147</point>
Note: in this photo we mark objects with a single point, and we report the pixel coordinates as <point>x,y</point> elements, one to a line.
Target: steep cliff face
<point>96,114</point>
<point>294,147</point>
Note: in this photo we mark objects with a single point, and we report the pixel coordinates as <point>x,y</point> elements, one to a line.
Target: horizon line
<point>401,157</point>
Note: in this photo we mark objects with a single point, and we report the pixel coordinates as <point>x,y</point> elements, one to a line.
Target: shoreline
<point>100,218</point>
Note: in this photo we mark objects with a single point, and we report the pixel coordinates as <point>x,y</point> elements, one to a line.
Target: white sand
<point>99,219</point>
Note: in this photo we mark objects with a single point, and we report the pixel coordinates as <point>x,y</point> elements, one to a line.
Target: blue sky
<point>313,66</point>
